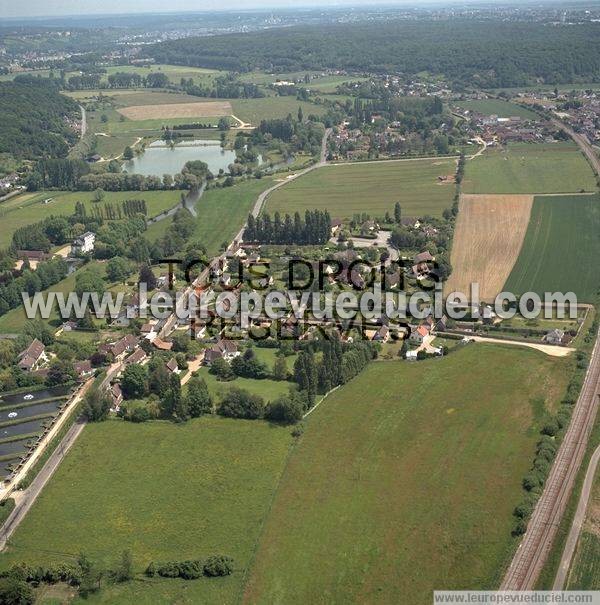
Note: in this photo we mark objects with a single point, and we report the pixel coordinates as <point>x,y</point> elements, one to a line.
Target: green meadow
<point>29,208</point>
<point>423,476</point>
<point>372,187</point>
<point>529,168</point>
<point>561,248</point>
<point>164,491</point>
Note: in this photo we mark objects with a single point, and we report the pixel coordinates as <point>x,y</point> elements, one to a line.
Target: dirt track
<point>206,109</point>
<point>489,233</point>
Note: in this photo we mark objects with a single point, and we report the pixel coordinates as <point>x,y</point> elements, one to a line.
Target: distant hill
<point>489,54</point>
<point>32,119</point>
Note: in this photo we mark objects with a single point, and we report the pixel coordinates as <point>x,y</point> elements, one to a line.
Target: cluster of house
<point>8,182</point>
<point>34,360</point>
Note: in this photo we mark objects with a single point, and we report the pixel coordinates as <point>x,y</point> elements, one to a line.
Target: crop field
<point>487,240</point>
<point>530,168</point>
<point>222,212</point>
<point>585,568</point>
<point>498,107</point>
<point>26,209</point>
<point>177,110</point>
<point>560,245</point>
<point>425,476</point>
<point>163,491</point>
<point>255,110</point>
<point>372,187</point>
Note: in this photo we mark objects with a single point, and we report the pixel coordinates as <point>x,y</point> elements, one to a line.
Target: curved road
<point>573,537</point>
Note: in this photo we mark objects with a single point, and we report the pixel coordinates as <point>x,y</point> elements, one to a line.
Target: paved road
<point>535,546</point>
<point>26,499</point>
<point>573,537</point>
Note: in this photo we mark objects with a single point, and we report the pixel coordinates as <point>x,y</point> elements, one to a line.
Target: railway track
<point>533,551</point>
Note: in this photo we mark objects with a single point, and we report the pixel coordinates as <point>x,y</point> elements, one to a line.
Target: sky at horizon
<point>43,8</point>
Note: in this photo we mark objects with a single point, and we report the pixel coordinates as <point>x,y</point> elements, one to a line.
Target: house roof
<point>136,357</point>
<point>29,357</point>
<point>423,257</point>
<point>83,367</point>
<point>116,392</point>
<point>422,331</point>
<point>172,365</point>
<point>159,343</point>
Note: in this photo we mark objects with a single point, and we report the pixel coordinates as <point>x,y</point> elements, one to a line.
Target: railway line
<point>532,553</point>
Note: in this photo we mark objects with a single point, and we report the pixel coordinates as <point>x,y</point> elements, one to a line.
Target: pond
<point>14,447</point>
<point>37,395</point>
<point>159,159</point>
<point>29,411</point>
<point>25,428</point>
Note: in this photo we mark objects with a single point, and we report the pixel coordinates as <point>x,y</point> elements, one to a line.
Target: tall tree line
<point>315,228</point>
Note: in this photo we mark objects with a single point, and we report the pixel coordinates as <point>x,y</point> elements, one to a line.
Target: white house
<point>84,243</point>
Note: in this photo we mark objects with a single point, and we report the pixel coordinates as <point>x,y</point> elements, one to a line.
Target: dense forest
<point>486,54</point>
<point>32,119</point>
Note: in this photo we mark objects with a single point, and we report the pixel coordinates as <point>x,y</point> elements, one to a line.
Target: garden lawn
<point>529,168</point>
<point>405,480</point>
<point>223,212</point>
<point>371,187</point>
<point>26,209</point>
<point>163,491</point>
<point>561,248</point>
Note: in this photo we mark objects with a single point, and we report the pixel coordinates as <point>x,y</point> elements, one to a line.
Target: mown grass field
<point>267,108</point>
<point>408,467</point>
<point>530,168</point>
<point>222,212</point>
<point>561,248</point>
<point>27,208</point>
<point>165,492</point>
<point>371,187</point>
<point>498,107</point>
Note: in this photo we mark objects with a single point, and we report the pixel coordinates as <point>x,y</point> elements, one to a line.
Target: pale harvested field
<point>206,109</point>
<point>489,233</point>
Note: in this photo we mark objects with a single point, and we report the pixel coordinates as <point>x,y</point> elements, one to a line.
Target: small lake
<point>159,159</point>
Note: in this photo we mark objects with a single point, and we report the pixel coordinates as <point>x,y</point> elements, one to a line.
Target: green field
<point>30,208</point>
<point>164,491</point>
<point>530,168</point>
<point>372,187</point>
<point>498,107</point>
<point>423,476</point>
<point>222,212</point>
<point>561,248</point>
<point>267,108</point>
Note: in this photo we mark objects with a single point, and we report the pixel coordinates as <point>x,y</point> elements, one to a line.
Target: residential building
<point>84,244</point>
<point>33,356</point>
